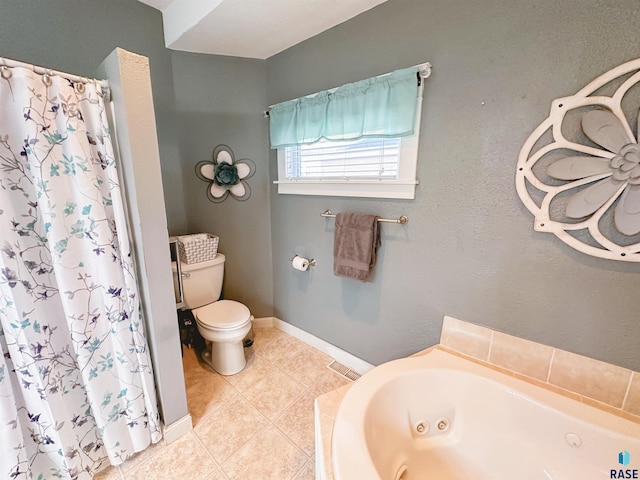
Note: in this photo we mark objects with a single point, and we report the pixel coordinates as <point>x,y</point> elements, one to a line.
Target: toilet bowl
<point>222,323</point>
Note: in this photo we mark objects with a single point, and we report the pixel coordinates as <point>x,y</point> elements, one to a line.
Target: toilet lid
<point>223,315</point>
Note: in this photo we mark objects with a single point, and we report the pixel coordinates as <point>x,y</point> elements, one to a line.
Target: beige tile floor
<point>255,425</point>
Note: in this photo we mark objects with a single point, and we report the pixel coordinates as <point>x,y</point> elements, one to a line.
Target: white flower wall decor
<point>579,171</point>
<point>226,175</point>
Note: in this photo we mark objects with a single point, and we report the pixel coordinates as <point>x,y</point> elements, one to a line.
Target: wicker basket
<point>200,247</point>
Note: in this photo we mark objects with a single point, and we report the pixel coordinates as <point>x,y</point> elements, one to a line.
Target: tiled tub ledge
<point>614,389</point>
<point>325,410</point>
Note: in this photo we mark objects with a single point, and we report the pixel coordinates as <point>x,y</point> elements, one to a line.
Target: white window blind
<point>367,158</point>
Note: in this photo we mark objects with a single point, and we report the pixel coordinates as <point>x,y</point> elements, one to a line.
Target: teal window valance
<point>383,106</point>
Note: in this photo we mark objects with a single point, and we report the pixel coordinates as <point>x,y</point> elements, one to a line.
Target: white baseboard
<point>348,360</point>
<point>177,429</point>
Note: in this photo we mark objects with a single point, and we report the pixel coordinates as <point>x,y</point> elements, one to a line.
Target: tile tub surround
<point>326,409</point>
<point>599,384</point>
<point>257,424</point>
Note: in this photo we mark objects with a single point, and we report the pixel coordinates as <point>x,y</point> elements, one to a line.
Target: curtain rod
<point>424,71</point>
<point>7,63</point>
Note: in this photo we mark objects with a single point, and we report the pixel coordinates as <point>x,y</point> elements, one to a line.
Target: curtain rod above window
<point>424,71</point>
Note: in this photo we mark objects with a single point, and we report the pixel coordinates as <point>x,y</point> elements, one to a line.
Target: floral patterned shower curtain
<point>76,384</point>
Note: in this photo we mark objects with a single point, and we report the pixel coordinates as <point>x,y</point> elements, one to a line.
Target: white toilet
<point>222,323</point>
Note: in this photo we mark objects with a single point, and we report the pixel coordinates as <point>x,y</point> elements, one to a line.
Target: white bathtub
<point>477,424</point>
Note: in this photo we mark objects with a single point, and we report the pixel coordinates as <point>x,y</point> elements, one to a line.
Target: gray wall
<point>130,80</point>
<point>469,249</point>
<point>219,100</point>
<point>75,36</point>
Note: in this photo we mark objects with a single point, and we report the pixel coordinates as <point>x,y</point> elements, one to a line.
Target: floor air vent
<point>344,371</point>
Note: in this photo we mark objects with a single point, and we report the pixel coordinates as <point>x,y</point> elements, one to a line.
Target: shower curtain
<point>76,384</point>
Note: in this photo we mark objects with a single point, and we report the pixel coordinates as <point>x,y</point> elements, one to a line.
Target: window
<point>367,158</point>
<point>369,167</point>
<point>359,140</point>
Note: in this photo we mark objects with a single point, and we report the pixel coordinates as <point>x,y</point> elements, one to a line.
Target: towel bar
<point>402,220</point>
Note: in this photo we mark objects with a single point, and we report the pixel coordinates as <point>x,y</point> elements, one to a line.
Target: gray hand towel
<point>354,245</point>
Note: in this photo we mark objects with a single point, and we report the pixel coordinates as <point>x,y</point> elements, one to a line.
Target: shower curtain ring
<point>5,72</point>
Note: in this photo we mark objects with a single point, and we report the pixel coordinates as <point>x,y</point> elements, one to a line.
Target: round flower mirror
<point>226,175</point>
<point>579,171</point>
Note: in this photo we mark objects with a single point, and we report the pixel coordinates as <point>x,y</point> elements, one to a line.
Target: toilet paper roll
<point>300,263</point>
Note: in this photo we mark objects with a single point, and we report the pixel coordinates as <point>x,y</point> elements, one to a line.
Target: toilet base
<point>226,358</point>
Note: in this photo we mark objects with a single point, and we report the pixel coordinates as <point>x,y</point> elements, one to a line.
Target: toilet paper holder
<point>312,261</point>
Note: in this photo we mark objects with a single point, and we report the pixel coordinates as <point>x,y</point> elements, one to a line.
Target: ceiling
<point>250,28</point>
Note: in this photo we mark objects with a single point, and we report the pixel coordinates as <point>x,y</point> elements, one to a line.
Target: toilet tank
<point>202,282</point>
